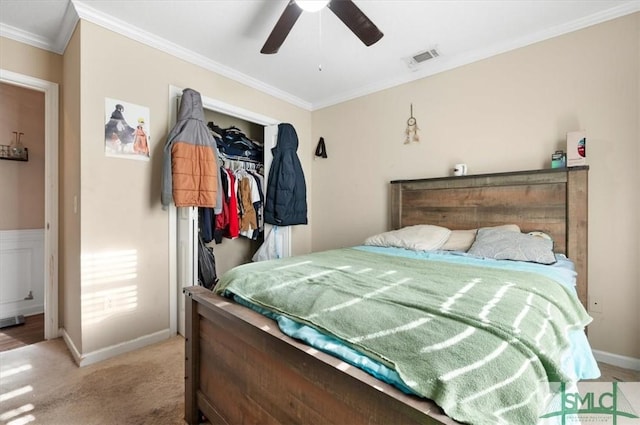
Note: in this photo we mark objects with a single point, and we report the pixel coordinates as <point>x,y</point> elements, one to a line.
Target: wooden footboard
<point>240,369</point>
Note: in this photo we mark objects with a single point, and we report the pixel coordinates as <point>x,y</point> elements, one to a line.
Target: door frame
<point>51,229</point>
<point>188,252</point>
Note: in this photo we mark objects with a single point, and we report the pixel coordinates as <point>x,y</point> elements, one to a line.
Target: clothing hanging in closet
<point>241,178</point>
<point>242,212</point>
<point>233,143</point>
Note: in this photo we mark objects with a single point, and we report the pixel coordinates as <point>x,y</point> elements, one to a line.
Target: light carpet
<point>41,384</point>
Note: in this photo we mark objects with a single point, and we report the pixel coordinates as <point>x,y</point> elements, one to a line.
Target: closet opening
<point>241,150</point>
<point>184,223</point>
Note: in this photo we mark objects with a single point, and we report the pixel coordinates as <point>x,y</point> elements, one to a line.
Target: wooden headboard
<point>553,201</point>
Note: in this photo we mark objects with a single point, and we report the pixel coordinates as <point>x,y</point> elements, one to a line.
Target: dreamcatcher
<point>412,129</point>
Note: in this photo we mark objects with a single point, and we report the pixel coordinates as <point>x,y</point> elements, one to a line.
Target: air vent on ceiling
<point>421,57</point>
<point>425,56</point>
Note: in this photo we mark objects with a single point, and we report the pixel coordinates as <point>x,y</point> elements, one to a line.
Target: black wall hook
<point>321,149</point>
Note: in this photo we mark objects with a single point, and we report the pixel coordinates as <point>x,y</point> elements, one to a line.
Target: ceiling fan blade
<point>282,28</point>
<point>356,20</point>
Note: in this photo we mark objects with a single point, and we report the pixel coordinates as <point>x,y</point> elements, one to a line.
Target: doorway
<point>183,224</point>
<point>50,257</point>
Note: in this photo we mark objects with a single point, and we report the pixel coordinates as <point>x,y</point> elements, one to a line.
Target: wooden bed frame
<point>240,369</point>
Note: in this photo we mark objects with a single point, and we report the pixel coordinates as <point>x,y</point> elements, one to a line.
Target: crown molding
<point>94,16</point>
<point>444,63</point>
<point>80,10</point>
<point>57,45</point>
<point>68,25</point>
<point>26,37</point>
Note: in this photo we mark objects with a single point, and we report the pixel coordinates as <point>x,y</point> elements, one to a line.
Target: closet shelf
<point>14,154</point>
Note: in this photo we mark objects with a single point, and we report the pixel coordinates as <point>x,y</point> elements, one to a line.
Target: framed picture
<point>126,130</point>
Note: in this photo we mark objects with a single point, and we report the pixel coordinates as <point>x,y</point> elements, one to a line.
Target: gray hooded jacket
<point>190,168</point>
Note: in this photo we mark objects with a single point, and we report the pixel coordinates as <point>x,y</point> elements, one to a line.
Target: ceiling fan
<point>346,10</point>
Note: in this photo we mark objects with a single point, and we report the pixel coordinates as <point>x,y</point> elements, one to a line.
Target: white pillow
<point>461,240</point>
<point>421,237</point>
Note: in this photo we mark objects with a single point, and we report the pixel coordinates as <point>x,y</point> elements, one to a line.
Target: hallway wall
<point>22,183</point>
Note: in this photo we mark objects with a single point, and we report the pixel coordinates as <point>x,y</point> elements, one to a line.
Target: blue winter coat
<point>286,202</point>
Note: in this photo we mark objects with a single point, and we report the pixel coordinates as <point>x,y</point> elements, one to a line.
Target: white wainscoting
<point>21,272</point>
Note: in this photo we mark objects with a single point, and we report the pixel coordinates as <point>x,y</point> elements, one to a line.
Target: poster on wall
<point>126,130</point>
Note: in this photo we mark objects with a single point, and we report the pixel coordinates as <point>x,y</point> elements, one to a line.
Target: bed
<point>241,368</point>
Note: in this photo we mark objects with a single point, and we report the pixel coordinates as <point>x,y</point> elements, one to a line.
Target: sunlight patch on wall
<point>108,267</point>
<point>107,289</point>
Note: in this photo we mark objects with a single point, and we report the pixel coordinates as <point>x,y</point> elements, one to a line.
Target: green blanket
<point>479,341</point>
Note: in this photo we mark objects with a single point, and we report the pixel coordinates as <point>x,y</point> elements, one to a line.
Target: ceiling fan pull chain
<point>320,40</point>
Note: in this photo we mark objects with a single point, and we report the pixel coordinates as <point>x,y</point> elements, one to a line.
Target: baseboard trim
<point>617,360</point>
<point>114,350</point>
<point>71,346</point>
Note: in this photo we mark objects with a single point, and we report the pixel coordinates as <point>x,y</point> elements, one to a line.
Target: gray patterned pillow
<point>501,244</point>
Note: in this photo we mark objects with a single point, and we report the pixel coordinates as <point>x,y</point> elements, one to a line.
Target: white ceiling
<point>226,36</point>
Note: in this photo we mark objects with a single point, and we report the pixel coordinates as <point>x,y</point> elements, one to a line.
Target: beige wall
<point>22,183</point>
<point>505,113</point>
<point>27,60</point>
<point>121,213</point>
<point>70,284</point>
<point>637,247</point>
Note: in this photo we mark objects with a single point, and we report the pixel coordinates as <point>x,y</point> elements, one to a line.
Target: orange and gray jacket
<point>190,171</point>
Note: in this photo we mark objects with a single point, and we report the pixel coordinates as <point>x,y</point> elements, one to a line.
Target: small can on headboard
<point>576,148</point>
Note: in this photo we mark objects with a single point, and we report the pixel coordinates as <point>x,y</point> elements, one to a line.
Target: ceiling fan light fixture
<point>345,10</point>
<point>312,5</point>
